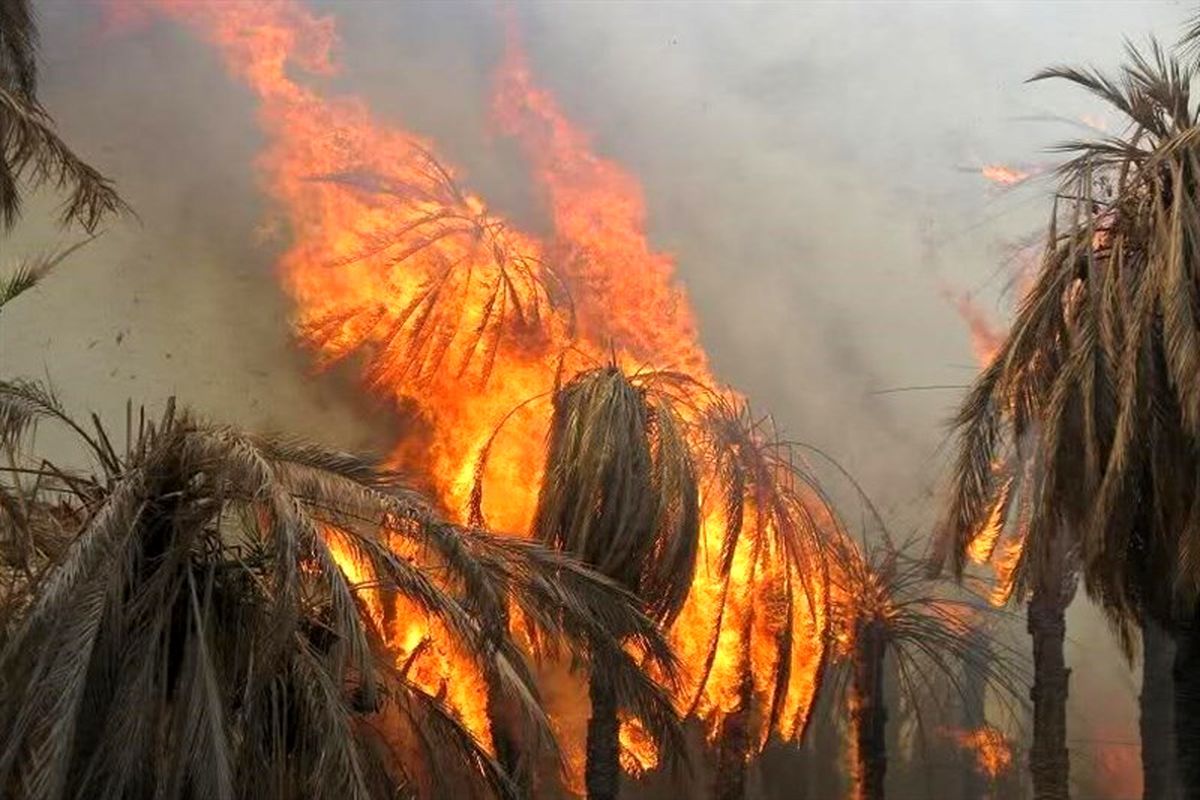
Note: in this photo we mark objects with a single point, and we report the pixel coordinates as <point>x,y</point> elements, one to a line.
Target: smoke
<point>812,167</point>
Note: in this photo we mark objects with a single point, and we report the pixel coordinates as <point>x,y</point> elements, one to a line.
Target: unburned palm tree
<point>1081,434</point>
<point>196,629</point>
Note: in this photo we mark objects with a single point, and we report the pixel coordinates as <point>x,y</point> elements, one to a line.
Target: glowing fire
<point>986,337</point>
<point>464,320</point>
<point>992,751</point>
<point>989,543</point>
<point>1005,175</point>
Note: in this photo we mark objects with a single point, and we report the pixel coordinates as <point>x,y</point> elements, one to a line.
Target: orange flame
<point>986,337</point>
<point>986,544</point>
<point>461,314</point>
<point>992,751</point>
<point>1005,175</point>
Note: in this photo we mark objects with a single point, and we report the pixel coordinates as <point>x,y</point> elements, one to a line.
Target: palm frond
<point>620,491</point>
<point>33,155</point>
<point>237,594</point>
<point>30,272</point>
<point>18,47</point>
<point>477,284</point>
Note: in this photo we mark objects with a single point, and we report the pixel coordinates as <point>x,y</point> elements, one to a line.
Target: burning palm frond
<point>628,458</point>
<point>771,511</point>
<point>217,616</point>
<point>470,282</point>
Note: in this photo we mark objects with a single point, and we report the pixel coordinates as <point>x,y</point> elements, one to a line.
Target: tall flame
<point>462,313</point>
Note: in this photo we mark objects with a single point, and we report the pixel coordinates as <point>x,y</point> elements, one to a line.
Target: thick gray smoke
<point>814,167</point>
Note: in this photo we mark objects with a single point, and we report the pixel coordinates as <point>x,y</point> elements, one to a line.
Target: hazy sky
<point>813,166</point>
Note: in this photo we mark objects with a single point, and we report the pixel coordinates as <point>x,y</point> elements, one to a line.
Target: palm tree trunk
<point>1160,779</point>
<point>602,773</point>
<point>868,711</point>
<point>733,746</point>
<point>1048,758</point>
<point>1186,674</point>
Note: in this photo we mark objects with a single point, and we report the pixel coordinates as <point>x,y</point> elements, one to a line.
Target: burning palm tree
<point>620,493</point>
<point>628,459</point>
<point>884,603</point>
<point>1081,434</point>
<point>215,620</point>
<point>772,549</point>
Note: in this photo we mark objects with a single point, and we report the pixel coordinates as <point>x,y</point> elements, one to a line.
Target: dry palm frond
<point>198,635</point>
<point>18,47</point>
<point>31,153</point>
<point>477,283</point>
<point>620,490</point>
<point>931,627</point>
<point>1087,422</point>
<point>771,502</point>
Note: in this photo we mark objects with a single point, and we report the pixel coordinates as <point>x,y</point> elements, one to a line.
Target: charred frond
<point>1085,426</point>
<point>467,283</point>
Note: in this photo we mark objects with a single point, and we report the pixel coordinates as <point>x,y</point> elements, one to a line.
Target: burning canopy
<point>469,324</point>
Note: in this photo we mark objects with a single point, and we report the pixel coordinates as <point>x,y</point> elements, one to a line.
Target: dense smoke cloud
<point>804,162</point>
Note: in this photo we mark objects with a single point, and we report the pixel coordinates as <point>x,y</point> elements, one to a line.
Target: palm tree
<point>627,459</point>
<point>1081,434</point>
<point>200,629</point>
<point>620,493</point>
<point>885,604</point>
<point>31,153</point>
<point>776,521</point>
